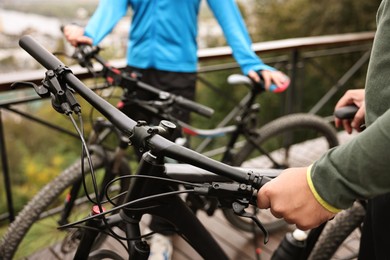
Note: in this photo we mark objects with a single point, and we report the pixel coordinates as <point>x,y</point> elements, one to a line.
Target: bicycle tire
<point>316,128</point>
<point>337,231</point>
<point>30,214</point>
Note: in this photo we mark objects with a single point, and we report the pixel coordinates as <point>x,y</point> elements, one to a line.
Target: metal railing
<point>293,53</point>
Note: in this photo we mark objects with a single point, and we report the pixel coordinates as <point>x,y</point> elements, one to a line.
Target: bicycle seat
<point>238,79</point>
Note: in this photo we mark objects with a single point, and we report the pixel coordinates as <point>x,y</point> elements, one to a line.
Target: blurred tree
<point>283,19</point>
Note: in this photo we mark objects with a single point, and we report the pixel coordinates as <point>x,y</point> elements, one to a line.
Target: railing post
<point>340,83</point>
<point>7,182</point>
<point>291,93</point>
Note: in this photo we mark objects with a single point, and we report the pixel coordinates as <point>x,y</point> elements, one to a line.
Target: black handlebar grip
<point>264,180</point>
<point>265,176</point>
<point>38,52</point>
<point>347,112</point>
<point>194,107</point>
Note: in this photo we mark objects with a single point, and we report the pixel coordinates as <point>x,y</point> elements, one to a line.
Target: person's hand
<point>352,97</point>
<point>289,196</point>
<point>278,78</point>
<point>74,34</point>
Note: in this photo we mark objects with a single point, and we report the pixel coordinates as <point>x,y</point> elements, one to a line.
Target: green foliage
<point>301,18</point>
<point>285,19</point>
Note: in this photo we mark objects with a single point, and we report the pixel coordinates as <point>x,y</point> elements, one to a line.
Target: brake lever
<point>239,209</point>
<point>41,90</point>
<point>234,195</point>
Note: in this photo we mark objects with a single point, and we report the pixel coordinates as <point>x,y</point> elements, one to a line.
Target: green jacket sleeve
<point>359,169</point>
<point>378,76</point>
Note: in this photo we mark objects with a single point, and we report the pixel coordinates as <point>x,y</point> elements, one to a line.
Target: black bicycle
<point>68,179</point>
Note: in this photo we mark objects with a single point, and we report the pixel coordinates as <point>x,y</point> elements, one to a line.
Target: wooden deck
<point>237,244</point>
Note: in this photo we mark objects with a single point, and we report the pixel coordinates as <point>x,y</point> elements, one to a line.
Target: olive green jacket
<point>361,168</point>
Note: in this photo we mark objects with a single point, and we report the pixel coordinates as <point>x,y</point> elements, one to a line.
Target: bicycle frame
<point>171,208</point>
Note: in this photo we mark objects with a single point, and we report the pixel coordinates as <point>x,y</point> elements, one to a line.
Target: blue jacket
<point>163,33</point>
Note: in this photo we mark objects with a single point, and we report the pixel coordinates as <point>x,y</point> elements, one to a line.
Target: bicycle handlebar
<point>44,57</point>
<point>193,106</point>
<point>86,52</point>
<point>179,100</point>
<point>156,143</point>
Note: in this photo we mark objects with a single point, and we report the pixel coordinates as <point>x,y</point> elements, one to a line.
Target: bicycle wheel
<point>35,227</point>
<point>337,231</point>
<point>289,141</point>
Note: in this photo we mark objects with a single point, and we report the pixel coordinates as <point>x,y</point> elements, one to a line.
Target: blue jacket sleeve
<point>105,18</point>
<point>236,34</point>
